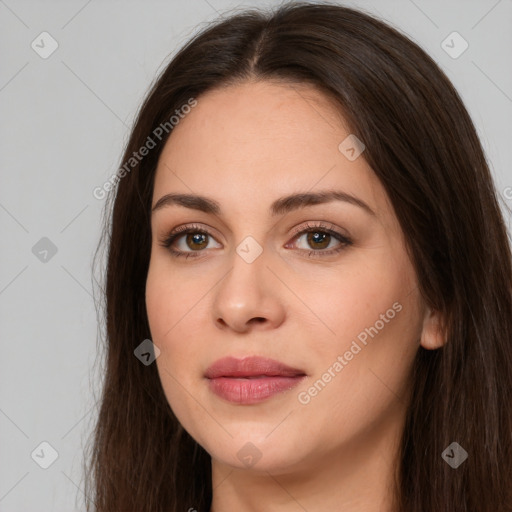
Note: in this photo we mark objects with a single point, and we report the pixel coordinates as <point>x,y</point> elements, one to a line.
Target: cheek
<point>169,299</point>
<point>158,303</point>
<point>347,303</point>
<point>166,317</point>
<point>371,318</point>
<point>367,388</point>
<point>172,303</point>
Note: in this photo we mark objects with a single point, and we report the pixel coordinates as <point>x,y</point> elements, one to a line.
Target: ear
<point>432,334</point>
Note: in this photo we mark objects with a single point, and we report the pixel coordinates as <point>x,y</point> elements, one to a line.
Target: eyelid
<point>321,225</point>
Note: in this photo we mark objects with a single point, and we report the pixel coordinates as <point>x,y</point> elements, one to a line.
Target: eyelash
<point>195,229</point>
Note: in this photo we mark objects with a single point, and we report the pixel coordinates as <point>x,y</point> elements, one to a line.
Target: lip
<point>251,379</point>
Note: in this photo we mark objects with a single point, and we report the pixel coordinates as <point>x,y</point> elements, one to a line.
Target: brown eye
<point>196,240</point>
<point>318,240</point>
<point>191,240</point>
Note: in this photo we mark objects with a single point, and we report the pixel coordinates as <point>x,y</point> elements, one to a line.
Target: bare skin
<point>334,448</point>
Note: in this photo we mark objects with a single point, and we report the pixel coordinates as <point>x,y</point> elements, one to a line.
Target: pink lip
<point>252,379</point>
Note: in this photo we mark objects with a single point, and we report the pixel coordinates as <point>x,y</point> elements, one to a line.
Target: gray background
<point>64,122</point>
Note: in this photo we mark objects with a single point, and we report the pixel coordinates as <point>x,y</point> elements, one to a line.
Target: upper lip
<point>252,366</point>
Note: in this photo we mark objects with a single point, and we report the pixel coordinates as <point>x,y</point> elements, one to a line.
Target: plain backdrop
<point>65,118</point>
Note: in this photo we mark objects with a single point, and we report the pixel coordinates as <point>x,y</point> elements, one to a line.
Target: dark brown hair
<point>423,147</point>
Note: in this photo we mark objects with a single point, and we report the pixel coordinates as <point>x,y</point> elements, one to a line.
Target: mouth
<point>252,379</point>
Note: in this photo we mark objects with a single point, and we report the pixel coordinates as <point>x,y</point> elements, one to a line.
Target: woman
<point>308,289</point>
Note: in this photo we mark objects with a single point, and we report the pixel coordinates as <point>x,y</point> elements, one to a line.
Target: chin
<point>257,452</point>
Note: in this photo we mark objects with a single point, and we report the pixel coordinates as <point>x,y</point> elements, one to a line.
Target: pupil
<point>198,239</point>
<point>319,238</point>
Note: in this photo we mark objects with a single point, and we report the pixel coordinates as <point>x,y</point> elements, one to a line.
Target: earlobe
<point>432,335</point>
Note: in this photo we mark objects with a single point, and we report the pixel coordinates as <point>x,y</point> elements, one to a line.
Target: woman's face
<point>323,286</point>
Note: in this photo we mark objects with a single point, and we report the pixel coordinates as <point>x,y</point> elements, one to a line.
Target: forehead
<point>261,140</point>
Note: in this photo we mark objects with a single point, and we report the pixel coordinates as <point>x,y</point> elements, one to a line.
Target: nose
<point>249,296</point>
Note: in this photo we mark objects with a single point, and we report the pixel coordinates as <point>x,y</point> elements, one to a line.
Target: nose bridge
<point>248,264</point>
<point>245,292</point>
<point>250,250</point>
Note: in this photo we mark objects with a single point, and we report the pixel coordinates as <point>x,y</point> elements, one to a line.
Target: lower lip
<point>251,391</point>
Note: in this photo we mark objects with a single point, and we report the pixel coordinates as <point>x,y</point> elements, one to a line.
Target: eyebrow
<point>278,207</point>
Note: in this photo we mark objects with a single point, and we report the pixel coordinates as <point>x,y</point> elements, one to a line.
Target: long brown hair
<point>422,145</point>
